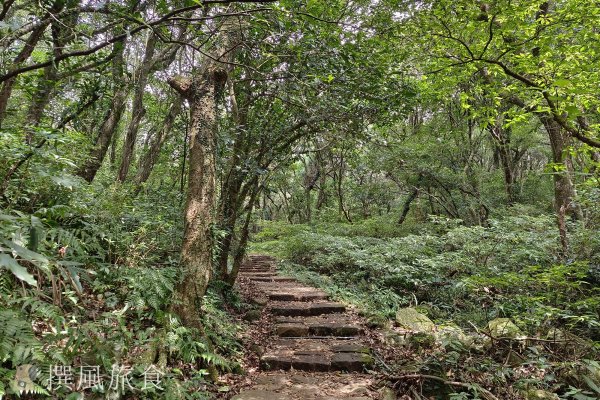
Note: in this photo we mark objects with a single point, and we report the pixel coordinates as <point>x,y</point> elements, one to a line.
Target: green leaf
<point>562,83</point>
<point>66,181</point>
<point>18,271</point>
<point>26,253</point>
<point>591,384</point>
<point>74,272</point>
<point>573,111</point>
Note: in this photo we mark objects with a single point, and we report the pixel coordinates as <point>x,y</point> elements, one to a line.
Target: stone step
<point>291,296</point>
<point>272,279</point>
<point>317,329</point>
<point>257,271</point>
<point>284,286</point>
<point>337,325</point>
<point>260,257</point>
<point>251,274</point>
<point>306,309</point>
<point>291,291</point>
<point>347,362</point>
<point>317,357</point>
<point>269,395</point>
<point>299,385</point>
<point>258,264</point>
<point>265,269</point>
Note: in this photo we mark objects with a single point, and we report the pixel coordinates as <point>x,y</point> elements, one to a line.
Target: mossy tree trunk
<point>201,92</point>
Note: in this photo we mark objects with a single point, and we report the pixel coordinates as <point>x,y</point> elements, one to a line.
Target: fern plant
<point>18,343</point>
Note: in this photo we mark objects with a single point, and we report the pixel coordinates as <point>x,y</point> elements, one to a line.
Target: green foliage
<point>407,145</point>
<point>101,273</point>
<point>559,295</point>
<point>17,340</point>
<point>466,275</point>
<point>511,266</point>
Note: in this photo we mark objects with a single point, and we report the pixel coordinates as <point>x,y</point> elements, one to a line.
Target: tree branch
<point>121,37</point>
<point>181,84</point>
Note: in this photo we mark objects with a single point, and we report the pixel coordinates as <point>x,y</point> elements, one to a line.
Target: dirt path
<point>315,349</point>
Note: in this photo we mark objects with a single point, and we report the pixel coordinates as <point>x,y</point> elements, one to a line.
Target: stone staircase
<point>311,333</point>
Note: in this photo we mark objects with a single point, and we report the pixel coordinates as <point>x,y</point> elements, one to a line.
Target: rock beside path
<point>409,318</point>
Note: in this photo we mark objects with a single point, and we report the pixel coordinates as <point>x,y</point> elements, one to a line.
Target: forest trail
<point>316,348</point>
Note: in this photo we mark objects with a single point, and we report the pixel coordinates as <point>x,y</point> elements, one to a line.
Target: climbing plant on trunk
<point>202,91</point>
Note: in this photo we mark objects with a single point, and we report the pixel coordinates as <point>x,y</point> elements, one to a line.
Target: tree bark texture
<point>111,120</point>
<point>197,250</point>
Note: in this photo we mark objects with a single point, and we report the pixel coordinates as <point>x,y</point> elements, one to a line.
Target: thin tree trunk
<point>564,190</point>
<point>111,120</point>
<point>150,63</point>
<point>502,147</point>
<point>340,193</point>
<point>137,111</point>
<point>228,213</point>
<point>311,176</point>
<point>40,99</point>
<point>5,7</point>
<point>26,51</point>
<point>322,194</point>
<point>156,142</point>
<point>232,194</point>
<point>406,208</point>
<point>240,251</point>
<point>15,167</point>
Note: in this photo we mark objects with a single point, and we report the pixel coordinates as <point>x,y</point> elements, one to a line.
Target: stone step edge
<point>317,329</point>
<point>310,310</point>
<point>350,362</point>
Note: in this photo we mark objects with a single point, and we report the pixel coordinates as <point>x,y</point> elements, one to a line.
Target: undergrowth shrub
<point>87,277</point>
<point>512,267</point>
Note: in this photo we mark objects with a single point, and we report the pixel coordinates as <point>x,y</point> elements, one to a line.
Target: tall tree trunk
<point>501,140</point>
<point>111,121</point>
<point>137,111</point>
<point>240,250</point>
<point>196,252</point>
<point>228,213</point>
<point>340,194</point>
<point>311,176</point>
<point>40,99</point>
<point>564,190</point>
<point>197,249</point>
<point>322,194</point>
<point>26,51</point>
<point>232,194</point>
<point>61,36</point>
<point>156,142</point>
<point>151,62</point>
<point>406,208</point>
